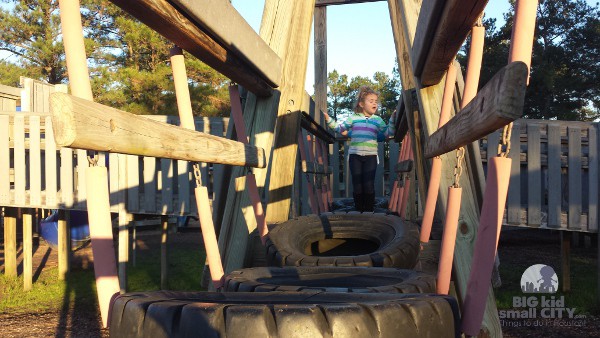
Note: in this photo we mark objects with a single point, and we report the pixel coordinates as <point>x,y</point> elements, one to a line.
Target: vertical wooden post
<point>123,249</point>
<point>27,250</point>
<point>10,242</point>
<point>164,262</point>
<point>64,244</point>
<point>565,259</point>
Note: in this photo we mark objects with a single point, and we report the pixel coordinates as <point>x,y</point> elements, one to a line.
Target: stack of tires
<point>332,275</point>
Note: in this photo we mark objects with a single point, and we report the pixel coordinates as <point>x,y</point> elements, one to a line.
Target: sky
<point>360,41</point>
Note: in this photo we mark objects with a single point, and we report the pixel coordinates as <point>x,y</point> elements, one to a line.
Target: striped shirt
<point>364,132</point>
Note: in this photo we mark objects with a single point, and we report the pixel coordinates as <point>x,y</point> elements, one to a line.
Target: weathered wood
<point>429,18</point>
<point>320,3</point>
<point>316,168</point>
<point>35,162</point>
<point>534,173</point>
<point>10,242</point>
<point>50,163</point>
<point>335,163</point>
<point>10,92</point>
<point>404,166</point>
<point>174,25</point>
<point>123,222</point>
<point>593,179</point>
<point>453,27</point>
<point>314,128</point>
<point>19,160</point>
<point>554,176</point>
<point>223,22</point>
<point>88,125</point>
<point>164,254</point>
<point>166,189</point>
<point>66,178</point>
<point>64,244</point>
<point>514,189</point>
<point>575,182</point>
<point>27,249</point>
<point>496,105</point>
<point>4,161</point>
<point>150,179</point>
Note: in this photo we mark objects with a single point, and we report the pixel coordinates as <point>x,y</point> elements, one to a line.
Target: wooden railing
<point>35,173</point>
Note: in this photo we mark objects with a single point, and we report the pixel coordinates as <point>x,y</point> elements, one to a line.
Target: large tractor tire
<point>282,314</point>
<point>329,279</point>
<point>344,239</point>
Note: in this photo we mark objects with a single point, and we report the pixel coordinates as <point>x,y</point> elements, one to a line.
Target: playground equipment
<point>272,67</point>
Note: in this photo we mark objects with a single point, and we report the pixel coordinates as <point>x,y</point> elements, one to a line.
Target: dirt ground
<point>519,248</point>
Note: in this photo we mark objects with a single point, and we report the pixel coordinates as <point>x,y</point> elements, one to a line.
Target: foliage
<point>564,82</point>
<point>128,62</point>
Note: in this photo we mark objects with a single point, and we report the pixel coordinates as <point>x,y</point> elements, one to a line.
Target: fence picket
<point>554,176</point>
<point>574,174</point>
<point>534,179</point>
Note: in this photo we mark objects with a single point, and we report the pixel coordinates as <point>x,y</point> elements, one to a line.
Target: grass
<point>79,288</point>
<point>584,288</point>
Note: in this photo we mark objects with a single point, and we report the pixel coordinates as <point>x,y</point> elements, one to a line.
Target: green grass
<point>79,289</point>
<point>584,290</point>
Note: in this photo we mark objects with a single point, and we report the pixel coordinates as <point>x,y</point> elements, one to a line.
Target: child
<point>363,127</point>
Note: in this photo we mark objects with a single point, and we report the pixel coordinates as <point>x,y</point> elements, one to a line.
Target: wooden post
<point>565,259</point>
<point>10,242</point>
<point>164,261</point>
<point>123,247</point>
<point>27,250</point>
<point>64,245</point>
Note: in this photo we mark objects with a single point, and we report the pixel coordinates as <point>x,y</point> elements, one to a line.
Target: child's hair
<point>360,97</point>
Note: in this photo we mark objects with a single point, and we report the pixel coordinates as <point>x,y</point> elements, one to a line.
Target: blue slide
<point>80,229</point>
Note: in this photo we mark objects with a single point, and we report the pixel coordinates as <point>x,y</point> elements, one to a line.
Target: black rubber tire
<point>329,279</point>
<point>395,241</point>
<point>282,314</point>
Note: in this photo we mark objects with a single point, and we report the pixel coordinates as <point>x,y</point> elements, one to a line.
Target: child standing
<point>363,127</point>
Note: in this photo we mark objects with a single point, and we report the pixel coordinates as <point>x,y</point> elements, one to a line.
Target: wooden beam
<point>429,17</point>
<point>223,22</point>
<point>452,28</point>
<point>10,92</point>
<point>83,124</point>
<point>496,105</point>
<point>314,128</point>
<point>315,168</point>
<point>168,21</point>
<point>320,3</point>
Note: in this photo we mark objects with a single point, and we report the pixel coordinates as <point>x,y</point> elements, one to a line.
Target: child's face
<point>369,104</point>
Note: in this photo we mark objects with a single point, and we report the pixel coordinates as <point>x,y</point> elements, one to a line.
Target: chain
<point>458,169</point>
<point>504,147</point>
<point>197,174</point>
<point>92,157</point>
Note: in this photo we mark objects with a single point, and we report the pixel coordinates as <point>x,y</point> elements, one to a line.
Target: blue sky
<point>350,28</point>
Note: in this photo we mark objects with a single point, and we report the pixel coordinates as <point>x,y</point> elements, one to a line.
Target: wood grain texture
<point>83,124</point>
<point>166,20</point>
<point>320,3</point>
<point>223,22</point>
<point>454,25</point>
<point>426,25</point>
<point>498,103</point>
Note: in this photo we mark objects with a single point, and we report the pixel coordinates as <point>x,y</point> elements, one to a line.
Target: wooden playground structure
<point>238,178</point>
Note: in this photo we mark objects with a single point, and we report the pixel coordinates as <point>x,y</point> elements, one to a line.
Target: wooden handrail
<point>82,124</point>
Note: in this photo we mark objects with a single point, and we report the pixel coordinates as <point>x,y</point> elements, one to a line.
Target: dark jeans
<point>363,170</point>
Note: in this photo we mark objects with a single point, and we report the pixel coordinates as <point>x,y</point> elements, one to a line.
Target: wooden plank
<point>35,162</point>
<point>183,183</point>
<point>554,176</point>
<point>427,23</point>
<point>115,161</point>
<point>10,242</point>
<point>574,174</point>
<point>64,244</point>
<point>593,179</point>
<point>133,184</point>
<point>166,189</point>
<point>27,249</point>
<point>149,164</point>
<point>534,176</point>
<point>453,27</point>
<point>82,165</point>
<point>66,178</point>
<point>497,104</point>
<point>164,254</point>
<point>10,92</point>
<point>4,161</point>
<point>321,3</point>
<point>50,166</point>
<point>514,189</point>
<point>161,16</point>
<point>79,123</point>
<point>223,22</point>
<point>19,160</point>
